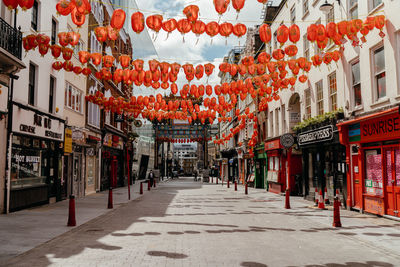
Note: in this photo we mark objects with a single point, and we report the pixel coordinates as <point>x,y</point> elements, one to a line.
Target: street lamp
<point>326,7</point>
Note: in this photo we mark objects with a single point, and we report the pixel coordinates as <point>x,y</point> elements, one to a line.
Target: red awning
<point>367,117</point>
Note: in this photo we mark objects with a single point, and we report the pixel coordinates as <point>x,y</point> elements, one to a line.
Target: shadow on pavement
<point>88,235</point>
<point>252,264</point>
<point>351,264</point>
<point>167,254</point>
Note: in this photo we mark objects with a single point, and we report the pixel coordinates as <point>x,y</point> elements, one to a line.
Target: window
<point>283,119</point>
<point>379,72</point>
<point>305,7</point>
<point>356,83</point>
<point>79,47</point>
<point>293,15</point>
<point>332,91</point>
<point>320,97</point>
<point>373,171</point>
<point>35,15</point>
<point>52,92</point>
<point>271,123</point>
<point>32,84</point>
<point>277,122</point>
<point>306,46</point>
<point>374,3</point>
<point>93,113</point>
<point>73,98</point>
<point>353,9</point>
<point>53,31</point>
<point>308,102</point>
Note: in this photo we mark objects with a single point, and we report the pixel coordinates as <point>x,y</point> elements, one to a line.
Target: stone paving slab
<point>186,223</point>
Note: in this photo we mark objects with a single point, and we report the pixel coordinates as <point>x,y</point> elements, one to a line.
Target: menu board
<point>373,183</point>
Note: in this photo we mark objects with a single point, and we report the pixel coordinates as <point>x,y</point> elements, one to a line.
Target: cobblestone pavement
<point>187,223</point>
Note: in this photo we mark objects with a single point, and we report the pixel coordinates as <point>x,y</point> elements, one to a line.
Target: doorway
<point>356,178</point>
<point>392,175</point>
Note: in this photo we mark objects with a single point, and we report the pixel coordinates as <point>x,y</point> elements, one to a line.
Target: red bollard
<point>235,186</point>
<point>212,180</point>
<point>217,179</point>
<point>148,185</point>
<point>287,199</point>
<point>228,183</point>
<point>336,213</point>
<point>110,199</point>
<point>245,188</point>
<point>141,188</point>
<point>154,183</point>
<point>71,211</point>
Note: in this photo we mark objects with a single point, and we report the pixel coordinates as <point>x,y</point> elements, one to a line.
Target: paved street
<point>187,223</point>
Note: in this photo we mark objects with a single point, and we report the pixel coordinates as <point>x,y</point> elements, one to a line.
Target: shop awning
<point>366,117</point>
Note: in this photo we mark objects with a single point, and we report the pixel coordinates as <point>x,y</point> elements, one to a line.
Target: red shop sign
<point>115,138</point>
<point>275,144</point>
<point>381,128</point>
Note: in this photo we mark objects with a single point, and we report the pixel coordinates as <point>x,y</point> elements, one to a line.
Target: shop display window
<point>393,178</point>
<point>373,170</point>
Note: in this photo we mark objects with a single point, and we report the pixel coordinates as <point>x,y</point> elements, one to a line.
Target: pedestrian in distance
<point>151,177</point>
<point>195,174</point>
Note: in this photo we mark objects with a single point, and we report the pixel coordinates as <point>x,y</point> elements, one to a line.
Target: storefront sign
<point>272,145</point>
<point>381,128</point>
<point>315,136</point>
<point>68,141</point>
<point>287,140</point>
<point>78,136</point>
<point>30,123</point>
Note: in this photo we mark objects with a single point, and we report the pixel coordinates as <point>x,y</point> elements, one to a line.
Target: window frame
<point>353,84</point>
<point>352,8</point>
<point>306,47</point>
<point>32,81</point>
<point>332,94</point>
<point>73,98</point>
<point>293,14</point>
<point>35,16</point>
<point>52,94</point>
<point>372,6</point>
<point>306,8</point>
<point>319,91</point>
<point>376,74</point>
<point>307,102</point>
<point>54,30</point>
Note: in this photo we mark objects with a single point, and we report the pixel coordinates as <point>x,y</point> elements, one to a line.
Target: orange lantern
<point>291,50</point>
<point>118,19</point>
<point>112,33</point>
<point>184,26</point>
<point>154,22</point>
<point>380,23</point>
<point>321,33</point>
<point>265,33</point>
<point>239,30</point>
<point>191,12</point>
<point>312,32</point>
<point>73,38</point>
<point>67,53</point>
<point>169,25</point>
<point>212,28</point>
<point>86,71</point>
<point>199,72</point>
<point>138,64</point>
<point>198,27</point>
<point>108,61</point>
<point>282,34</point>
<point>84,56</point>
<point>96,58</point>
<point>124,60</point>
<point>137,22</point>
<point>221,6</point>
<point>101,34</point>
<point>77,18</point>
<point>64,7</point>
<point>63,38</point>
<point>369,22</point>
<point>43,49</point>
<point>331,30</point>
<point>55,50</point>
<point>175,67</point>
<point>57,65</point>
<point>342,27</point>
<point>294,33</point>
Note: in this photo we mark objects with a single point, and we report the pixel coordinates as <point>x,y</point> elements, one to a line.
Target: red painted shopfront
<point>278,166</point>
<point>373,159</point>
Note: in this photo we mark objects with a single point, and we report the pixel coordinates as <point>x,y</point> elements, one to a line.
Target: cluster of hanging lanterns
<point>77,9</point>
<point>23,4</point>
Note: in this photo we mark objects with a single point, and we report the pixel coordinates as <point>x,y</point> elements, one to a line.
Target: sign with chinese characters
<point>315,136</point>
<point>68,141</point>
<point>287,140</point>
<point>30,123</point>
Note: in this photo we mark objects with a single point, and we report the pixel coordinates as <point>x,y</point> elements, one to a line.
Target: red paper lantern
<point>154,22</point>
<point>221,6</point>
<point>77,18</point>
<point>68,66</point>
<point>303,78</point>
<point>239,30</point>
<point>73,38</point>
<point>198,27</point>
<point>265,33</point>
<point>57,65</point>
<point>64,7</point>
<point>380,22</point>
<point>25,4</point>
<point>84,56</point>
<point>184,26</point>
<point>212,28</point>
<point>278,54</point>
<point>124,60</point>
<point>291,50</point>
<point>101,34</point>
<point>96,58</point>
<point>191,12</point>
<point>63,38</point>
<point>169,25</point>
<point>86,71</point>
<point>112,33</point>
<point>282,34</point>
<point>55,50</point>
<point>77,70</point>
<point>118,19</point>
<point>43,49</point>
<point>137,22</point>
<point>331,30</point>
<point>342,27</point>
<point>321,33</point>
<point>199,72</point>
<point>294,33</point>
<point>67,53</point>
<point>263,58</point>
<point>312,32</point>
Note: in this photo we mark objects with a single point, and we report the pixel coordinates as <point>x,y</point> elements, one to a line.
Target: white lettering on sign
<point>27,159</point>
<point>319,135</point>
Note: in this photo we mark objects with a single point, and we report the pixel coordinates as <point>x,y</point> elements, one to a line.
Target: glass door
<point>392,173</point>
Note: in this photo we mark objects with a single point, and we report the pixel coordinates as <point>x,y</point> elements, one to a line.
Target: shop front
<point>260,170</point>
<point>36,159</point>
<point>324,161</point>
<point>373,159</point>
<point>230,168</point>
<point>283,166</point>
<point>92,163</point>
<point>112,162</point>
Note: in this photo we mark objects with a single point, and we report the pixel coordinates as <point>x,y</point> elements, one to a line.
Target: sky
<point>194,50</point>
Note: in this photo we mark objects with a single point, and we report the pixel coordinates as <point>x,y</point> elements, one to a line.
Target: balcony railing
<point>10,39</point>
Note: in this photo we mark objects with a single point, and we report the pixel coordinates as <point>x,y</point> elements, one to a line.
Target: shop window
<point>28,166</point>
<point>32,84</point>
<point>356,83</point>
<point>53,31</point>
<point>306,47</point>
<point>332,91</point>
<point>73,98</point>
<point>93,113</point>
<point>35,16</point>
<point>305,7</point>
<point>379,72</point>
<point>353,9</point>
<point>373,170</point>
<point>320,97</point>
<point>307,97</point>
